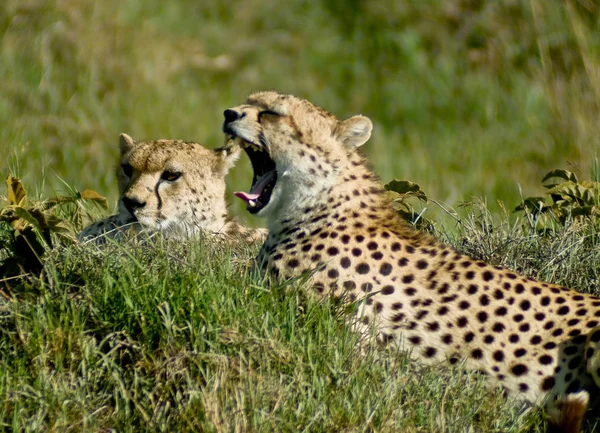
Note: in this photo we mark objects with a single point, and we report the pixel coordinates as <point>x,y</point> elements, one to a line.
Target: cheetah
<point>172,186</point>
<point>329,220</point>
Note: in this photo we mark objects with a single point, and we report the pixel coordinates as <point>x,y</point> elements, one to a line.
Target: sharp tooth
<point>252,203</point>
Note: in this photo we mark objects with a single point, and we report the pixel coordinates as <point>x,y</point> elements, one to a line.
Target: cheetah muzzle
<point>265,173</point>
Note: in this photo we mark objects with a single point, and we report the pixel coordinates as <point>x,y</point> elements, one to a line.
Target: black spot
<point>484,300</point>
<point>407,279</point>
<point>403,261</point>
<point>523,387</point>
<point>487,276</point>
<point>463,305</point>
<point>422,264</point>
<point>362,268</point>
<point>332,251</point>
<point>472,289</point>
<point>398,317</point>
<point>498,327</point>
<point>470,275</point>
<point>469,336</point>
<point>563,311</point>
<point>477,354</point>
<point>385,269</point>
<point>482,316</point>
<point>372,246</point>
<point>293,263</point>
<point>349,285</point>
<point>575,362</point>
<point>433,326</point>
<point>536,339</point>
<point>519,369</point>
<point>388,290</point>
<point>442,310</point>
<point>366,287</point>
<point>545,359</point>
<point>498,356</point>
<point>430,352</point>
<point>501,311</point>
<point>416,340</point>
<point>525,305</point>
<point>519,288</point>
<point>377,255</point>
<point>345,262</point>
<point>548,383</point>
<point>462,322</point>
<point>333,273</point>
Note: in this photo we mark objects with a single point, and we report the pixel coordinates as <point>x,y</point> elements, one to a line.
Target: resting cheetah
<point>330,220</point>
<point>173,186</point>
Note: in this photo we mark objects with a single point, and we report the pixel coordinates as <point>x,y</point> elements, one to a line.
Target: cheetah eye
<point>268,113</point>
<point>170,176</point>
<point>127,170</point>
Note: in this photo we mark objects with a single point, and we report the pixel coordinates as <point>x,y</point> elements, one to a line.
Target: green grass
<point>469,99</point>
<point>159,336</point>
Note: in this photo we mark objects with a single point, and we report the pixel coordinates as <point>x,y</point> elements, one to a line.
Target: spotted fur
<point>329,219</point>
<point>174,187</point>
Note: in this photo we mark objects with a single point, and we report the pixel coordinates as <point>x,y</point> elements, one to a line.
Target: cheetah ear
<point>227,157</point>
<point>354,132</point>
<point>126,143</point>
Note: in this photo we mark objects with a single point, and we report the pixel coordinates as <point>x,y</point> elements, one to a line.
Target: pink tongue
<point>245,196</point>
<point>258,188</point>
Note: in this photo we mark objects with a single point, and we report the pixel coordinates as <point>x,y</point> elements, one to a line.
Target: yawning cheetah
<point>330,220</point>
<point>172,186</point>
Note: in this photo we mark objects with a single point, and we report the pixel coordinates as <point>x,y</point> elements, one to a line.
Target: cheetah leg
<point>566,414</point>
<point>592,354</point>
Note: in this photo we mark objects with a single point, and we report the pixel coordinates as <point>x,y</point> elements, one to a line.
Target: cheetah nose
<point>132,204</point>
<point>231,116</point>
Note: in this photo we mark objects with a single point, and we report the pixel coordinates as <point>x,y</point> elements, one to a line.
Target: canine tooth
<point>251,203</point>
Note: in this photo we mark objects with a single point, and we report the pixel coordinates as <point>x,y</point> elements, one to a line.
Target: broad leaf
<point>88,194</point>
<point>16,192</point>
<point>563,174</point>
<point>406,187</point>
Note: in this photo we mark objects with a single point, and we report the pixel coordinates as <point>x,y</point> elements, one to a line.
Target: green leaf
<point>406,188</point>
<point>560,173</point>
<point>16,192</point>
<point>532,204</point>
<point>27,216</point>
<point>61,199</point>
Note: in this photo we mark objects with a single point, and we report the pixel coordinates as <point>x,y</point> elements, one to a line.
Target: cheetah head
<point>297,149</point>
<point>173,185</point>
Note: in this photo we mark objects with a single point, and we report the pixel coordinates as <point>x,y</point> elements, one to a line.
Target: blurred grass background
<point>469,97</point>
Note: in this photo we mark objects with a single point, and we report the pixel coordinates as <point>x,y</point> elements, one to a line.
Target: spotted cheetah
<point>172,186</point>
<point>329,220</point>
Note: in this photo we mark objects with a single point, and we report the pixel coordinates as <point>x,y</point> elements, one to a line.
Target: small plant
<point>565,200</point>
<point>27,228</point>
<point>400,191</point>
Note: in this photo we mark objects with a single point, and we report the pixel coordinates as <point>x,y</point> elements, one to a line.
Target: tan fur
<point>330,220</point>
<point>193,202</point>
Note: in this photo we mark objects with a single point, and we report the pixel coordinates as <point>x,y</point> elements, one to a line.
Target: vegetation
<point>469,98</point>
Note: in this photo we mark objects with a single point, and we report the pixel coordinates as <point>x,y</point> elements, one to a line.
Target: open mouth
<point>263,181</point>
